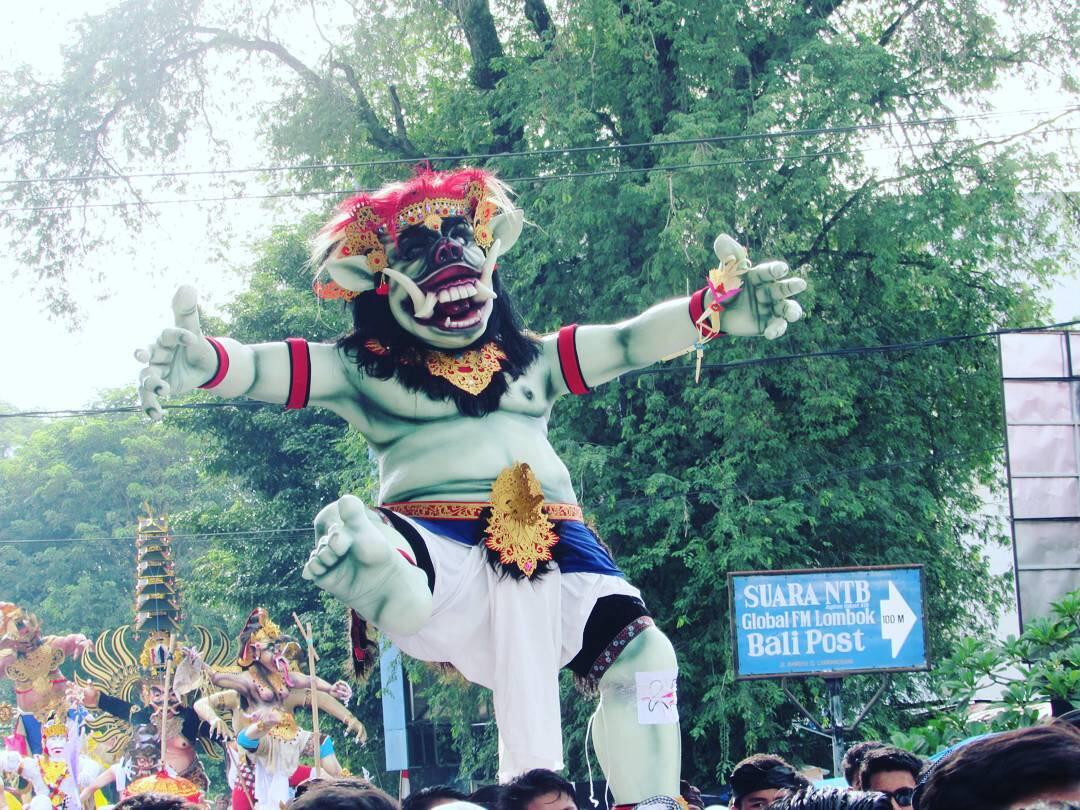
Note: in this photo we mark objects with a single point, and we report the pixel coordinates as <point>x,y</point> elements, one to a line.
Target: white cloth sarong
<point>512,636</point>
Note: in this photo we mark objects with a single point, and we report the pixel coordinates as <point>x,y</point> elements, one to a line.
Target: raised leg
<point>635,735</point>
<point>357,560</point>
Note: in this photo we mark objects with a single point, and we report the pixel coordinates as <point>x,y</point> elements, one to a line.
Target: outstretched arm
<point>207,708</point>
<point>72,645</point>
<point>332,707</point>
<point>340,690</point>
<point>106,777</point>
<point>588,356</point>
<point>293,373</point>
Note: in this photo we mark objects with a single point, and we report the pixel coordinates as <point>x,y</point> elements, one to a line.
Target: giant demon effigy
<point>261,700</point>
<point>135,684</point>
<point>32,662</point>
<point>478,554</point>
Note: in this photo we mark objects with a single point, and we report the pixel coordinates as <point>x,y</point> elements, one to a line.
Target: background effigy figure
<point>262,699</point>
<point>479,555</point>
<point>56,774</point>
<point>187,733</point>
<point>141,758</point>
<point>33,663</point>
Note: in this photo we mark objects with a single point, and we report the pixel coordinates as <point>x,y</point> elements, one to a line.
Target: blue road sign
<point>828,622</point>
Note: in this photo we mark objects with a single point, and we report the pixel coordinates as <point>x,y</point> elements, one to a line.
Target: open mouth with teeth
<point>455,299</point>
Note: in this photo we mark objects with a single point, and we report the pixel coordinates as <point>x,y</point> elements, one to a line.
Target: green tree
<point>860,458</point>
<point>1040,666</point>
<point>70,495</point>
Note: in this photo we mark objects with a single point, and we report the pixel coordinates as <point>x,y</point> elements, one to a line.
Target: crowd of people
<point>1036,768</point>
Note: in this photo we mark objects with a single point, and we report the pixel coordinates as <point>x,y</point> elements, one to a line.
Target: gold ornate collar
<point>472,371</point>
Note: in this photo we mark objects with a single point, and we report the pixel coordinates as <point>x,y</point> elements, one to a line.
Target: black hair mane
<point>400,351</point>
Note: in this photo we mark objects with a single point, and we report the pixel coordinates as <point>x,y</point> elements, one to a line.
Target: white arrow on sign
<point>897,619</point>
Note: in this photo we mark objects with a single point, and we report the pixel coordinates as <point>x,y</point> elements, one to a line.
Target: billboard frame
<point>835,673</point>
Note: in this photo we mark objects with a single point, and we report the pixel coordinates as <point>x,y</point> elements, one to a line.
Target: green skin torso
<point>426,450</point>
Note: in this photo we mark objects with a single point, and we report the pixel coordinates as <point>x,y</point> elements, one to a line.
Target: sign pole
<point>836,724</point>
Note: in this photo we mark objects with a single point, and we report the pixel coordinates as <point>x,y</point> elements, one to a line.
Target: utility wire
<point>189,536</point>
<point>850,351</point>
<point>698,493</point>
<point>567,150</point>
<point>542,178</point>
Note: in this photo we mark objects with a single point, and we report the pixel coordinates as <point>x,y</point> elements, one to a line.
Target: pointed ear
<point>352,273</point>
<point>506,227</point>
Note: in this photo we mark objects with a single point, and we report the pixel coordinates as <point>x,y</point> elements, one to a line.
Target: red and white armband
<point>706,317</point>
<point>569,362</point>
<point>235,374</point>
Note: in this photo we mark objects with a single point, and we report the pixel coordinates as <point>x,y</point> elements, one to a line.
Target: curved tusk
<point>484,293</point>
<point>423,305</point>
<point>488,270</point>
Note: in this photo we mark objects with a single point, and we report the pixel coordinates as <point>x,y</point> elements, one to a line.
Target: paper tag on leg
<point>657,697</point>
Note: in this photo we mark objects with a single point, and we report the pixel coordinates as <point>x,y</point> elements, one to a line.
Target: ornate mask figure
<point>430,245</point>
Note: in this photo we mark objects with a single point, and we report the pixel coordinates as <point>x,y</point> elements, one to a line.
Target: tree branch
<point>227,39</point>
<point>399,116</point>
<point>812,251</point>
<point>380,136</point>
<point>894,26</point>
<point>536,12</point>
<point>478,25</point>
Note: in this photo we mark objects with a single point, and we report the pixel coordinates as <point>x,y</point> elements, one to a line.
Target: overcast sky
<point>47,366</point>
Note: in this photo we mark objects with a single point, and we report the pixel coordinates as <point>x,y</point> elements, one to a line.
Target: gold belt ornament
<point>286,729</point>
<point>474,510</point>
<point>519,528</point>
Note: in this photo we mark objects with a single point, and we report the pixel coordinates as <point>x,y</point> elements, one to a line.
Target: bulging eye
<point>460,230</point>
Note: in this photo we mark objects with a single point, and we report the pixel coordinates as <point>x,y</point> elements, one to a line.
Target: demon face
<point>153,695</point>
<point>19,628</point>
<point>441,290</point>
<point>430,246</point>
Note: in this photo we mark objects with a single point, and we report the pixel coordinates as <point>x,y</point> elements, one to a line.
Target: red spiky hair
<point>426,198</point>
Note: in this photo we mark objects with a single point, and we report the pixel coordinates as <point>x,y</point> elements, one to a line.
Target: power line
<point>543,178</point>
<point>824,475</point>
<point>568,150</point>
<point>188,536</point>
<point>850,351</point>
<point>64,413</point>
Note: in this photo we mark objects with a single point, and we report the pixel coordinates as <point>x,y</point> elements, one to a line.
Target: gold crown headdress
<point>260,630</point>
<point>356,239</point>
<point>54,728</point>
<point>154,657</point>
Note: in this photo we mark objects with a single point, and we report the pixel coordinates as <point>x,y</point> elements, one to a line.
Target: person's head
<point>1071,718</point>
<point>854,757</point>
<point>430,797</point>
<point>1006,771</point>
<point>487,796</point>
<point>154,801</point>
<point>891,771</point>
<point>343,794</point>
<point>761,779</point>
<point>539,789</point>
<point>830,799</point>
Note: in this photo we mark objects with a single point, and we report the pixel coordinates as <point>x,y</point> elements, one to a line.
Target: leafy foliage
<point>844,460</point>
<point>1040,666</point>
